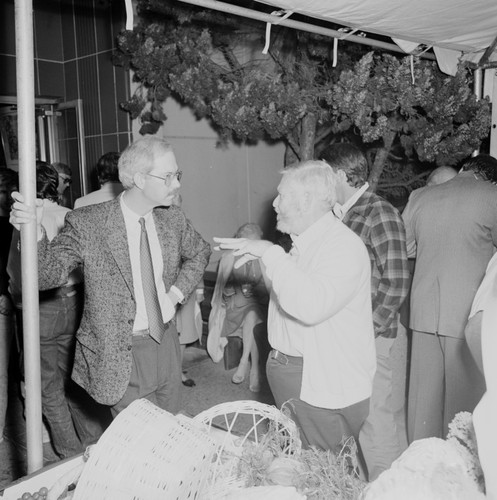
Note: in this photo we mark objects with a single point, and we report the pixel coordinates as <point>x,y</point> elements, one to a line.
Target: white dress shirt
<point>133,230</point>
<point>320,308</point>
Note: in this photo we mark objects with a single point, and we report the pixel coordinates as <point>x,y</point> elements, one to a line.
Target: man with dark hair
<point>65,180</point>
<point>381,228</point>
<point>140,257</point>
<point>8,183</point>
<point>452,232</point>
<point>108,178</point>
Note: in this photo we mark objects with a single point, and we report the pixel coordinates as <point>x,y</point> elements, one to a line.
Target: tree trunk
<point>307,137</point>
<point>380,160</point>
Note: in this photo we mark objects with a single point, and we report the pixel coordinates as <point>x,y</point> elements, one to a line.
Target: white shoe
<point>45,435</point>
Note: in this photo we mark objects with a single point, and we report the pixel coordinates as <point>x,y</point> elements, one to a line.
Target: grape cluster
<point>41,494</point>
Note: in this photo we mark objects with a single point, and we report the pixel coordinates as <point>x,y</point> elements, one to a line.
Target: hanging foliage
<point>434,116</point>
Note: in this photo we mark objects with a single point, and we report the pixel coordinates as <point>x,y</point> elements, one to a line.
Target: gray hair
<point>315,177</point>
<point>139,157</point>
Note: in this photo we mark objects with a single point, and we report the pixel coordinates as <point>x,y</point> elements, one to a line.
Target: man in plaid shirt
<point>381,228</point>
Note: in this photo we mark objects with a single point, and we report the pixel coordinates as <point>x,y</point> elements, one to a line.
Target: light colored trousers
<point>383,435</point>
<point>444,381</point>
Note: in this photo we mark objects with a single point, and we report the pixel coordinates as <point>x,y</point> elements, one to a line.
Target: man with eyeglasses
<point>140,257</point>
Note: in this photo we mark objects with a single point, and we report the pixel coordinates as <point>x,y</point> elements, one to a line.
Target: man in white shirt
<point>120,354</point>
<point>320,322</point>
<point>108,178</point>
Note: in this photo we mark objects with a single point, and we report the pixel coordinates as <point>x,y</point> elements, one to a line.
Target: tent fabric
<point>455,28</point>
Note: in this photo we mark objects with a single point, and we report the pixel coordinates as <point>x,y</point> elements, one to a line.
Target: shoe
<point>188,382</point>
<point>239,375</point>
<point>45,435</point>
<point>254,382</point>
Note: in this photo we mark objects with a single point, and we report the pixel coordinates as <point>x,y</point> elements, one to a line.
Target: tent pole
<point>493,125</point>
<point>29,258</point>
<point>477,90</point>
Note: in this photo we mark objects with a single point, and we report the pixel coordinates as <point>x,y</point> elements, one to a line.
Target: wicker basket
<point>147,454</point>
<point>232,425</point>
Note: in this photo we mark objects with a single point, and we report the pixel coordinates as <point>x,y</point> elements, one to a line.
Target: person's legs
<point>6,333</point>
<point>55,344</point>
<point>379,436</point>
<point>168,391</point>
<point>321,427</point>
<point>464,383</point>
<point>155,373</point>
<point>426,387</point>
<point>249,321</point>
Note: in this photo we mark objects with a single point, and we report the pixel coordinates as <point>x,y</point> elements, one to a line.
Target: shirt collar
<point>309,237</point>
<point>129,214</point>
<point>341,210</point>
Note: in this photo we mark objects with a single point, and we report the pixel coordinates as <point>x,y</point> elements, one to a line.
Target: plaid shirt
<point>381,228</point>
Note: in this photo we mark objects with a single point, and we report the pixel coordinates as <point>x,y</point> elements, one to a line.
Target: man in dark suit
<point>127,348</point>
<point>452,231</point>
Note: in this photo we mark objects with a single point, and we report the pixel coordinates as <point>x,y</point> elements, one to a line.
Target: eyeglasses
<point>67,180</point>
<point>167,179</point>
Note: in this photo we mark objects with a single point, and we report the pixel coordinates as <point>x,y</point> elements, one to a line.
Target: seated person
<point>239,303</point>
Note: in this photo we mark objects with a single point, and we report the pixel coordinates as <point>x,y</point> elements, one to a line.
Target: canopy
<point>454,28</point>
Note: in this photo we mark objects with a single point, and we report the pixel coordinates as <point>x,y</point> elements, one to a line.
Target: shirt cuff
<point>178,293</point>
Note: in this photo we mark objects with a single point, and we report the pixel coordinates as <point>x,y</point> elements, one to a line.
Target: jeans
<point>59,320</point>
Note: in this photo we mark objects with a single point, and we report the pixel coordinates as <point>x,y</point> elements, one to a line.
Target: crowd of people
<point>121,279</point>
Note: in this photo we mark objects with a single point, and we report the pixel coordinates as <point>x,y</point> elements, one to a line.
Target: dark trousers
<point>74,419</point>
<point>155,372</point>
<point>321,427</point>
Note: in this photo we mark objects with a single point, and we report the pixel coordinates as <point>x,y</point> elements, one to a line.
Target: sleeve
<point>390,288</point>
<point>59,257</point>
<point>195,254</point>
<point>317,291</point>
<point>407,216</point>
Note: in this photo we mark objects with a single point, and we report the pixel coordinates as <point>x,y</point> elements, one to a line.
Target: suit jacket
<point>94,238</point>
<point>452,228</point>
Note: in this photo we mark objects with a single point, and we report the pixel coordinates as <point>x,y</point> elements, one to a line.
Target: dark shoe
<point>188,382</point>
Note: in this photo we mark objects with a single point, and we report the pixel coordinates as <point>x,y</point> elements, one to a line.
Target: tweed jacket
<point>381,228</point>
<point>452,231</point>
<point>95,239</point>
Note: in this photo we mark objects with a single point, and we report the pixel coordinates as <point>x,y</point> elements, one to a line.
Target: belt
<point>284,359</point>
<point>146,331</point>
<point>62,291</point>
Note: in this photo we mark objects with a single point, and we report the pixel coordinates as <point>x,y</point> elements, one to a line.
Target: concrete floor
<point>213,386</point>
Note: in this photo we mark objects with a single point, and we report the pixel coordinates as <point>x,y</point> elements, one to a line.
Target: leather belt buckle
<point>279,356</point>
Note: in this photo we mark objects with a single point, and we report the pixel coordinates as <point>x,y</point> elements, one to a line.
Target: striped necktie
<point>154,314</point>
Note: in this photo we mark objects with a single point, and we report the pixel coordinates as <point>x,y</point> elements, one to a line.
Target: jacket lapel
<point>117,240</point>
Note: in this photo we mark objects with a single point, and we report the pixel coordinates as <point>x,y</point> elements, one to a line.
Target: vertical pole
<point>493,126</point>
<point>29,258</point>
<point>477,90</point>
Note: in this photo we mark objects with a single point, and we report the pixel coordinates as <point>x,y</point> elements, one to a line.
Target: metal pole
<point>29,258</point>
<point>477,90</point>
